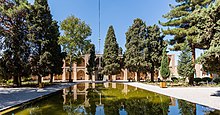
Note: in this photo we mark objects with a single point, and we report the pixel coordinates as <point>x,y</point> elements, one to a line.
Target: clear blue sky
<point>119,13</point>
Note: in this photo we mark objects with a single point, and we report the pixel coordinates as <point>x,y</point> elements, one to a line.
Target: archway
<point>120,76</point>
<point>131,75</point>
<point>143,76</point>
<point>80,75</point>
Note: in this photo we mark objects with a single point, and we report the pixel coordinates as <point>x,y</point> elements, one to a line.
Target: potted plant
<point>164,69</point>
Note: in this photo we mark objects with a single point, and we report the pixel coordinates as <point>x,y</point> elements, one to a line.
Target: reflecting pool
<point>110,99</point>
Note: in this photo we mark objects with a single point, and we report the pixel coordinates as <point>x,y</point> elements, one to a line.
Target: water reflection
<point>111,99</point>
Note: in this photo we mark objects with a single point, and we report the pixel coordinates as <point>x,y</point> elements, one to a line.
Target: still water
<point>111,99</point>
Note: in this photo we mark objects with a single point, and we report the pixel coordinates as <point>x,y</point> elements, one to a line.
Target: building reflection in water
<point>72,95</point>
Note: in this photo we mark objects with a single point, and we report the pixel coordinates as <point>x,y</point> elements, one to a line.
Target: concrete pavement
<point>207,96</point>
<point>10,97</point>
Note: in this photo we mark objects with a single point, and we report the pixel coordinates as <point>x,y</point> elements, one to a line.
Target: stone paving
<point>207,96</point>
<point>10,97</point>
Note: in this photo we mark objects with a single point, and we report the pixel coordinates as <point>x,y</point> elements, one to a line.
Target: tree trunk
<point>51,77</point>
<point>90,77</point>
<point>156,73</point>
<point>19,81</point>
<point>39,80</point>
<point>15,81</point>
<point>70,69</point>
<point>152,72</point>
<point>70,74</point>
<point>152,75</point>
<point>138,76</point>
<point>191,79</point>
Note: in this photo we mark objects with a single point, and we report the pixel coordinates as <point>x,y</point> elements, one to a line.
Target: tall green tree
<point>164,68</point>
<point>40,36</point>
<point>178,19</point>
<point>185,67</point>
<point>154,45</point>
<point>136,53</point>
<point>207,28</point>
<point>14,42</point>
<point>54,48</point>
<point>91,66</point>
<point>74,38</point>
<point>111,64</point>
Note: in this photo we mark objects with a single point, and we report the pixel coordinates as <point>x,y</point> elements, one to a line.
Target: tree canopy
<point>75,35</point>
<point>91,66</point>
<point>185,67</point>
<point>183,26</point>
<point>208,29</point>
<point>179,18</point>
<point>14,41</point>
<point>111,65</point>
<point>28,40</point>
<point>41,37</point>
<point>136,53</point>
<point>55,49</point>
<point>74,40</point>
<point>154,45</point>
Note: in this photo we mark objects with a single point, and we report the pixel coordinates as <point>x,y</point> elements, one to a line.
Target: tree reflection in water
<point>110,99</point>
<point>135,102</point>
<point>186,108</point>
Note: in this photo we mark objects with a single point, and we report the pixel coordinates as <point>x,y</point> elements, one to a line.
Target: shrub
<point>216,80</point>
<point>27,79</point>
<point>174,79</point>
<point>205,79</point>
<point>164,68</point>
<point>197,80</point>
<point>182,79</point>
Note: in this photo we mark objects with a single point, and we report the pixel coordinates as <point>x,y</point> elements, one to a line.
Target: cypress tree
<point>111,64</point>
<point>40,25</point>
<point>54,48</point>
<point>91,66</point>
<point>14,43</point>
<point>154,46</point>
<point>178,18</point>
<point>164,68</point>
<point>185,67</point>
<point>136,53</point>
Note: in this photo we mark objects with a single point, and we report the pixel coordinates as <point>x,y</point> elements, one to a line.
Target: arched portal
<point>131,75</point>
<point>80,75</point>
<point>143,76</point>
